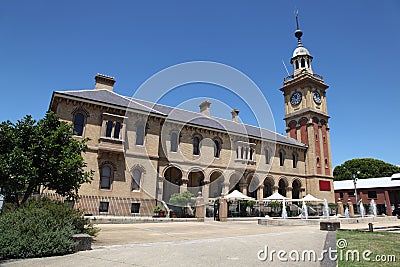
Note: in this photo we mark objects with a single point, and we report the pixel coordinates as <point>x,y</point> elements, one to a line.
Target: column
<point>243,188</point>
<point>183,187</point>
<point>351,208</point>
<point>223,210</point>
<point>160,186</point>
<point>289,192</point>
<point>340,208</point>
<point>225,189</point>
<point>200,208</point>
<point>206,191</point>
<point>388,204</point>
<point>275,189</point>
<point>260,192</point>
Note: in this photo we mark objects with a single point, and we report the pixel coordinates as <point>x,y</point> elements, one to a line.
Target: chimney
<point>205,108</point>
<point>104,82</point>
<point>235,115</point>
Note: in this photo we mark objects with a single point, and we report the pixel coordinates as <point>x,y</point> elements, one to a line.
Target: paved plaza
<point>189,244</point>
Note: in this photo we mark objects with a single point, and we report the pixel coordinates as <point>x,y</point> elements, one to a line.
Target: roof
<point>175,114</point>
<point>300,51</point>
<point>368,183</point>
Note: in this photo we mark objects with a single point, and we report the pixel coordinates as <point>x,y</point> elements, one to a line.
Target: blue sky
<point>61,45</point>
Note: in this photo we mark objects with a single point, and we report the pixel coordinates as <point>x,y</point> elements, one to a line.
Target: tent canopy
<point>310,198</point>
<point>236,195</point>
<point>275,197</point>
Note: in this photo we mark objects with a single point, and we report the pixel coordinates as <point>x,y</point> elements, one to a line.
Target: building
<point>143,152</point>
<point>385,192</point>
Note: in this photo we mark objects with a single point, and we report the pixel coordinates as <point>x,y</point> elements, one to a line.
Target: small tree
<point>368,168</point>
<point>43,153</point>
<point>182,199</point>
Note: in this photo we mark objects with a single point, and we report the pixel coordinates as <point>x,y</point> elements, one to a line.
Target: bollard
<point>371,227</point>
<point>200,212</point>
<point>223,209</point>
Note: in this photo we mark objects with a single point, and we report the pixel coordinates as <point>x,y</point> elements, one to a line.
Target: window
<point>135,207</point>
<point>196,145</point>
<point>136,176</point>
<point>109,127</point>
<point>79,124</point>
<point>251,153</point>
<point>372,194</point>
<point>281,158</point>
<point>341,194</point>
<point>140,135</point>
<point>294,158</point>
<point>105,178</point>
<point>103,207</point>
<point>267,159</point>
<point>297,64</point>
<point>317,161</point>
<point>303,63</point>
<point>174,142</point>
<point>326,163</point>
<point>217,148</point>
<point>117,130</point>
<point>351,193</point>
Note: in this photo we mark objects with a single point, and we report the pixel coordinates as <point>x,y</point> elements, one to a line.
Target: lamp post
<point>355,179</point>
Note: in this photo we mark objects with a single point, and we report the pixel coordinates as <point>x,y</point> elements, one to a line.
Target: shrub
<point>40,228</point>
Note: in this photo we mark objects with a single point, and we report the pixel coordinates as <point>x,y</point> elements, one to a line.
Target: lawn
<point>383,245</point>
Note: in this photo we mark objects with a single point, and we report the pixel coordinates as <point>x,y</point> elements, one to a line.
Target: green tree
<point>368,168</point>
<point>41,154</point>
<point>182,199</point>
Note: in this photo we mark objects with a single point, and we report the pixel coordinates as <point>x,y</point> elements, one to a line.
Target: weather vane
<point>297,18</point>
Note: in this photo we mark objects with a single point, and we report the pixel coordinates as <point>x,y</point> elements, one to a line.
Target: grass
<point>381,244</point>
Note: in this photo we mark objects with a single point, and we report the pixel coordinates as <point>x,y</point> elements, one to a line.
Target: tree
<point>182,199</point>
<point>368,168</point>
<point>41,154</point>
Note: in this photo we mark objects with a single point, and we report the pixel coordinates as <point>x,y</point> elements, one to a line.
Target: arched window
<point>317,161</point>
<point>267,159</point>
<point>136,177</point>
<point>297,64</point>
<point>281,158</point>
<point>140,135</point>
<point>109,127</point>
<point>196,145</point>
<point>294,158</point>
<point>117,130</point>
<point>79,124</point>
<point>303,63</point>
<point>105,177</point>
<point>308,63</point>
<point>174,142</point>
<point>217,148</point>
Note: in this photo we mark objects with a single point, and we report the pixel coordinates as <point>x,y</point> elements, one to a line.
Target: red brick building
<point>385,191</point>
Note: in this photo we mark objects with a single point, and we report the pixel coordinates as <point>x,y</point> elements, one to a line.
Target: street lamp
<point>355,179</point>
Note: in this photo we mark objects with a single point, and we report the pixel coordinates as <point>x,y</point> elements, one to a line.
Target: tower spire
<point>298,33</point>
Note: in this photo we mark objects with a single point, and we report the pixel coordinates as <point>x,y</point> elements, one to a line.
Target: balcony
<point>108,144</point>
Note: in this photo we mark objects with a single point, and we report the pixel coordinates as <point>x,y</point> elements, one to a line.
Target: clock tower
<point>306,117</point>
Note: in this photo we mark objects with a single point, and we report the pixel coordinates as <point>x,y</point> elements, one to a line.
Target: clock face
<point>317,97</point>
<point>296,98</point>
